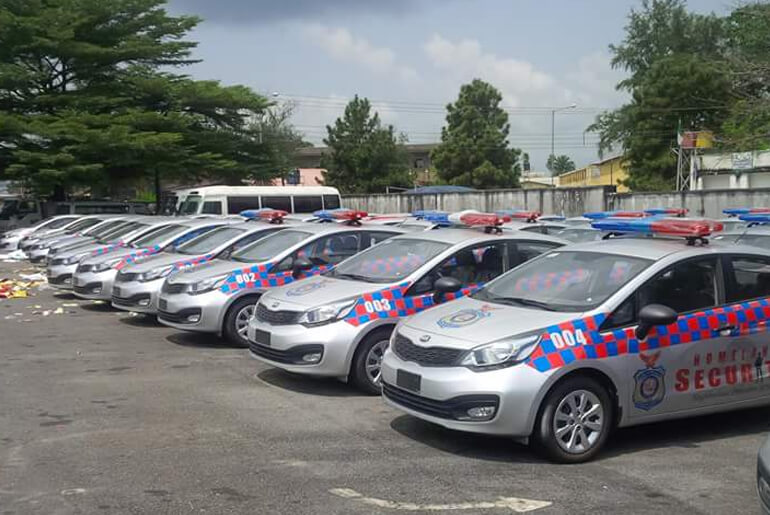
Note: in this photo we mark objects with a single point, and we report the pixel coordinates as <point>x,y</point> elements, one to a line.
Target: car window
<point>210,240</point>
<point>307,203</point>
<point>522,251</point>
<point>282,203</point>
<point>328,250</point>
<point>268,248</point>
<point>754,239</point>
<point>331,201</point>
<point>246,241</point>
<point>212,208</point>
<point>747,277</point>
<point>687,286</point>
<point>470,265</point>
<point>237,204</point>
<point>371,238</point>
<point>158,235</point>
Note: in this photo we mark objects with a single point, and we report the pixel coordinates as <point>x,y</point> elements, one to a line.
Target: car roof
<point>455,235</point>
<point>331,227</point>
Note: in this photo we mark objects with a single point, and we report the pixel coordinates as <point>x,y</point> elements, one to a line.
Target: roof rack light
<point>519,214</point>
<point>671,211</point>
<point>425,214</point>
<point>756,218</point>
<point>737,211</point>
<point>351,216</point>
<point>273,216</point>
<point>599,215</point>
<point>691,229</point>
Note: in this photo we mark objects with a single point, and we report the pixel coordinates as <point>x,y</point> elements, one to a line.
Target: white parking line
<point>513,503</point>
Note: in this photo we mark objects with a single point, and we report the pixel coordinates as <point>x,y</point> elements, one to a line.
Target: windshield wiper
<point>523,302</point>
<point>354,277</point>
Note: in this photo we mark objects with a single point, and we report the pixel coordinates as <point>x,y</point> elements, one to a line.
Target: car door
<point>669,371</point>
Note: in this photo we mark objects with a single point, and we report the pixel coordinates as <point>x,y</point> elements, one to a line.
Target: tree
<point>559,164</point>
<point>474,144</point>
<point>364,157</point>
<point>85,100</point>
<point>280,139</point>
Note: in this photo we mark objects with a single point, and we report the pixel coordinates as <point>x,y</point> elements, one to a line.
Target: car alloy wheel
<point>578,421</point>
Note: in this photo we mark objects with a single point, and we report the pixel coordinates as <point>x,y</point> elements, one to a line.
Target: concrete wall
<point>564,201</point>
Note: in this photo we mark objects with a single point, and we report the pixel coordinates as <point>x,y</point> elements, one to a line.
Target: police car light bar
<point>598,215</point>
<point>348,215</point>
<point>736,211</point>
<point>273,216</point>
<point>759,218</point>
<point>672,211</point>
<point>690,229</point>
<point>474,218</point>
<point>421,214</point>
<point>519,214</point>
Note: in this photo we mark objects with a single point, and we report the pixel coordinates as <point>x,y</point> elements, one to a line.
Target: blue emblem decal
<point>465,317</point>
<point>306,288</point>
<point>650,384</point>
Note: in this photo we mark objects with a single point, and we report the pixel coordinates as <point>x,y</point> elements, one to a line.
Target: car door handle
<point>726,330</point>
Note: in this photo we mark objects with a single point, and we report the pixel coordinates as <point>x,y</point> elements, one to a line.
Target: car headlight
<point>502,353</point>
<point>77,258</point>
<point>206,285</point>
<point>155,273</point>
<point>106,265</point>
<point>327,313</point>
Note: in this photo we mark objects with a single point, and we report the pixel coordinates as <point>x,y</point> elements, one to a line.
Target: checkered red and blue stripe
<point>190,263</point>
<point>393,302</point>
<point>107,248</point>
<point>744,318</point>
<point>260,276</point>
<point>134,256</point>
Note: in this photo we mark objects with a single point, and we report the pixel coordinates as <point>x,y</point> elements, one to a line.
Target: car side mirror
<point>300,265</point>
<point>445,285</point>
<point>653,315</point>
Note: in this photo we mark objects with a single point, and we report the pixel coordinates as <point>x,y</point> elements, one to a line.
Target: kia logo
<point>425,338</point>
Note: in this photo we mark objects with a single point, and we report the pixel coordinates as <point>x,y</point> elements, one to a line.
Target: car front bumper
<point>60,276</point>
<point>446,393</point>
<point>289,344</point>
<point>137,296</point>
<point>199,313</point>
<point>37,256</point>
<point>94,285</point>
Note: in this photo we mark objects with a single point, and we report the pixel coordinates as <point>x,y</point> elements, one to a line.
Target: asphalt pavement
<point>102,412</point>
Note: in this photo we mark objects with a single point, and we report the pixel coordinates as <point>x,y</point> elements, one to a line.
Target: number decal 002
<point>377,305</point>
<point>568,338</point>
<point>245,278</point>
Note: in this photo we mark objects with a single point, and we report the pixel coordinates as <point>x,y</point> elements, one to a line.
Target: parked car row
<point>549,332</point>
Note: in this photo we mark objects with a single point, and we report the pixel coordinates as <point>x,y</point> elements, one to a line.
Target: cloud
<point>342,45</point>
<point>263,11</point>
<point>594,81</point>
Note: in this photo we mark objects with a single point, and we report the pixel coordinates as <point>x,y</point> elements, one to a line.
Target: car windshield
<point>746,238</point>
<point>389,261</point>
<point>159,235</point>
<point>116,234</point>
<point>190,205</point>
<point>210,240</point>
<point>105,228</point>
<point>57,224</point>
<point>576,235</point>
<point>269,247</point>
<point>564,281</point>
<point>82,224</point>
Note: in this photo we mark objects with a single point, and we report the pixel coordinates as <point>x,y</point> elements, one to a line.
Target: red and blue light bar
<point>758,218</point>
<point>341,214</point>
<point>599,215</point>
<point>267,214</point>
<point>688,228</point>
<point>423,214</point>
<point>670,211</point>
<point>474,218</point>
<point>519,214</point>
<point>737,211</point>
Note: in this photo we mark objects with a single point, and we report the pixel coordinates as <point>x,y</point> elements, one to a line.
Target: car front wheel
<point>237,321</point>
<point>367,362</point>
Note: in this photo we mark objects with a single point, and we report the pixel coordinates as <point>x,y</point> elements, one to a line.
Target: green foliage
<point>84,100</point>
<point>559,164</point>
<point>474,144</point>
<point>365,157</point>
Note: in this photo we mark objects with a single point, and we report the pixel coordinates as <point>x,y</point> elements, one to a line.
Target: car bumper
<point>446,393</point>
<point>140,297</point>
<point>38,256</point>
<point>60,276</point>
<point>94,285</point>
<point>290,344</point>
<point>200,313</point>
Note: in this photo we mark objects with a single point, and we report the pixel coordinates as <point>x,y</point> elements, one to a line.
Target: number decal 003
<point>377,305</point>
<point>568,338</point>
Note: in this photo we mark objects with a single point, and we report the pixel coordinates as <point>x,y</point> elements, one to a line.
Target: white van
<point>231,200</point>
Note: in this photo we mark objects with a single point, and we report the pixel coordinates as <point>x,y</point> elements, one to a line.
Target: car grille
<point>290,356</point>
<point>126,277</point>
<point>449,409</point>
<point>426,356</point>
<point>173,288</point>
<point>130,301</point>
<point>86,289</point>
<point>60,279</point>
<point>180,317</point>
<point>276,317</point>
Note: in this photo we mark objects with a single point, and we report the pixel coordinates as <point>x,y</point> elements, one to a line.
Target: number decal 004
<point>568,338</point>
<point>377,305</point>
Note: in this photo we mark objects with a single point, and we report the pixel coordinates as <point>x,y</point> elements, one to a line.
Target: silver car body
<point>78,231</point>
<point>375,305</point>
<point>654,379</point>
<point>205,312</point>
<point>132,292</point>
<point>95,276</point>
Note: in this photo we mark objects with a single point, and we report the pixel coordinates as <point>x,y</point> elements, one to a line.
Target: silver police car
<point>218,297</point>
<point>10,240</point>
<point>94,277</point>
<point>339,324</point>
<point>38,251</point>
<point>137,286</point>
<point>582,339</point>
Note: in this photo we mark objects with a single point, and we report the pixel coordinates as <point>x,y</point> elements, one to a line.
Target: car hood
<point>210,269</point>
<point>79,248</point>
<point>159,260</point>
<point>467,322</point>
<point>317,291</point>
<point>119,252</point>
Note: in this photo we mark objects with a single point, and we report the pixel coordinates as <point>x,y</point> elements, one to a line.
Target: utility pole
<point>553,123</point>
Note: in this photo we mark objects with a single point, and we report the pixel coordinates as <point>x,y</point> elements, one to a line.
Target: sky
<point>410,57</point>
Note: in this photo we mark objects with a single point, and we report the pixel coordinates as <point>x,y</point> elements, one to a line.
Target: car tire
<point>367,361</point>
<point>574,421</point>
<point>238,314</point>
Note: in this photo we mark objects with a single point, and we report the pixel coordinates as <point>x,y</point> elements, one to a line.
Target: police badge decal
<point>650,384</point>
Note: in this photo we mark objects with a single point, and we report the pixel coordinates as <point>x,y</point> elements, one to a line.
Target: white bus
<point>231,200</point>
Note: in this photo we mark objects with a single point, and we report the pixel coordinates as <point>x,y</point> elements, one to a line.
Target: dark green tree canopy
<point>364,156</point>
<point>559,164</point>
<point>474,147</point>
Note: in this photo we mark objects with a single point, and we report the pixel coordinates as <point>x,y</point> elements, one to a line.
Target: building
<point>732,170</point>
<point>531,179</point>
<point>307,177</point>
<point>611,171</point>
<point>418,155</point>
